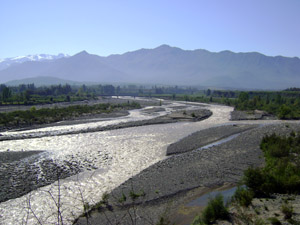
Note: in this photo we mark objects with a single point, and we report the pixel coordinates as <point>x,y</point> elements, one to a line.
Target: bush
<point>197,221</point>
<point>287,210</point>
<point>243,196</point>
<point>253,178</point>
<point>285,112</point>
<point>274,221</point>
<point>259,221</point>
<point>163,221</point>
<point>282,172</point>
<point>215,210</point>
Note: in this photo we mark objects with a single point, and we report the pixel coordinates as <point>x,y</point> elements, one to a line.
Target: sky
<point>105,27</point>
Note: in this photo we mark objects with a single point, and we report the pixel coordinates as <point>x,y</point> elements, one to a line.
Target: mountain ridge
<point>169,65</point>
<point>6,62</point>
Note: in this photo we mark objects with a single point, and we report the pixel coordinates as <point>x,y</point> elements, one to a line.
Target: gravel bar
<point>205,137</point>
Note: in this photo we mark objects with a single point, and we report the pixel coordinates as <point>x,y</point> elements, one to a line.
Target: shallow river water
<point>118,155</point>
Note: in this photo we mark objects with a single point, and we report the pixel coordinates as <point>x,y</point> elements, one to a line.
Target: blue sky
<point>117,26</point>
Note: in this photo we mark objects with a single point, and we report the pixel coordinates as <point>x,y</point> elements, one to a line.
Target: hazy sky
<point>106,27</point>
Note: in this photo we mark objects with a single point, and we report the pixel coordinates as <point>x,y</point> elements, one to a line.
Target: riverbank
<point>165,182</point>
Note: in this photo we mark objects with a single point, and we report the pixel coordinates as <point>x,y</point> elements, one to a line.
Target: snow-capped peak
<point>5,63</point>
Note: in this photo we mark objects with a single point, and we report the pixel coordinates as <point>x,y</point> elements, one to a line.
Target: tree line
<point>29,94</point>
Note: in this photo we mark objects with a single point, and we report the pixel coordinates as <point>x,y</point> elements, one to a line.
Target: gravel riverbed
<point>105,159</point>
<point>166,181</point>
<point>22,172</point>
<point>117,160</point>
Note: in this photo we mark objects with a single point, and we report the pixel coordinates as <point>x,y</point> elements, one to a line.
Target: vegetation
<point>287,210</point>
<point>50,115</point>
<point>31,95</point>
<point>283,104</point>
<point>243,196</point>
<point>274,221</point>
<point>281,173</point>
<point>214,210</point>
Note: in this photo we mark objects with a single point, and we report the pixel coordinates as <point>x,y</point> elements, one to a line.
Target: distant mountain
<point>5,63</point>
<point>80,67</point>
<point>169,65</point>
<point>41,81</point>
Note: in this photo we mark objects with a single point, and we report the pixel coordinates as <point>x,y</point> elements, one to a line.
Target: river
<point>117,155</point>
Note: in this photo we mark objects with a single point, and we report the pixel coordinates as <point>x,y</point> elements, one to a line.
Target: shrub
<point>197,221</point>
<point>285,112</point>
<point>215,210</point>
<point>253,178</point>
<point>259,221</point>
<point>243,196</point>
<point>163,221</point>
<point>281,173</point>
<point>274,221</point>
<point>287,210</point>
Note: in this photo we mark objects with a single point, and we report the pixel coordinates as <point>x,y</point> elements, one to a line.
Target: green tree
<point>285,112</point>
<point>6,94</point>
<point>243,97</point>
<point>208,92</point>
<point>27,95</point>
<point>215,210</point>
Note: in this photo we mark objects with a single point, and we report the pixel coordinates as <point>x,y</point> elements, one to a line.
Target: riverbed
<point>117,155</point>
<point>108,159</point>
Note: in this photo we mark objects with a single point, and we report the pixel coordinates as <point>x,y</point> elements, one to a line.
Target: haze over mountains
<point>5,63</point>
<point>167,65</point>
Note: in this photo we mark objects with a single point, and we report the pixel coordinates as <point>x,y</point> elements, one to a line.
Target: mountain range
<point>167,65</point>
<point>7,62</point>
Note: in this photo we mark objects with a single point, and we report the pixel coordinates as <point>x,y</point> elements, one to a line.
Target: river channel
<point>109,158</point>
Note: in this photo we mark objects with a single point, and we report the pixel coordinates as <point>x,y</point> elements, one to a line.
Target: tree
<point>27,95</point>
<point>243,97</point>
<point>6,94</point>
<point>108,90</point>
<point>68,99</point>
<point>208,92</point>
<point>285,112</point>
